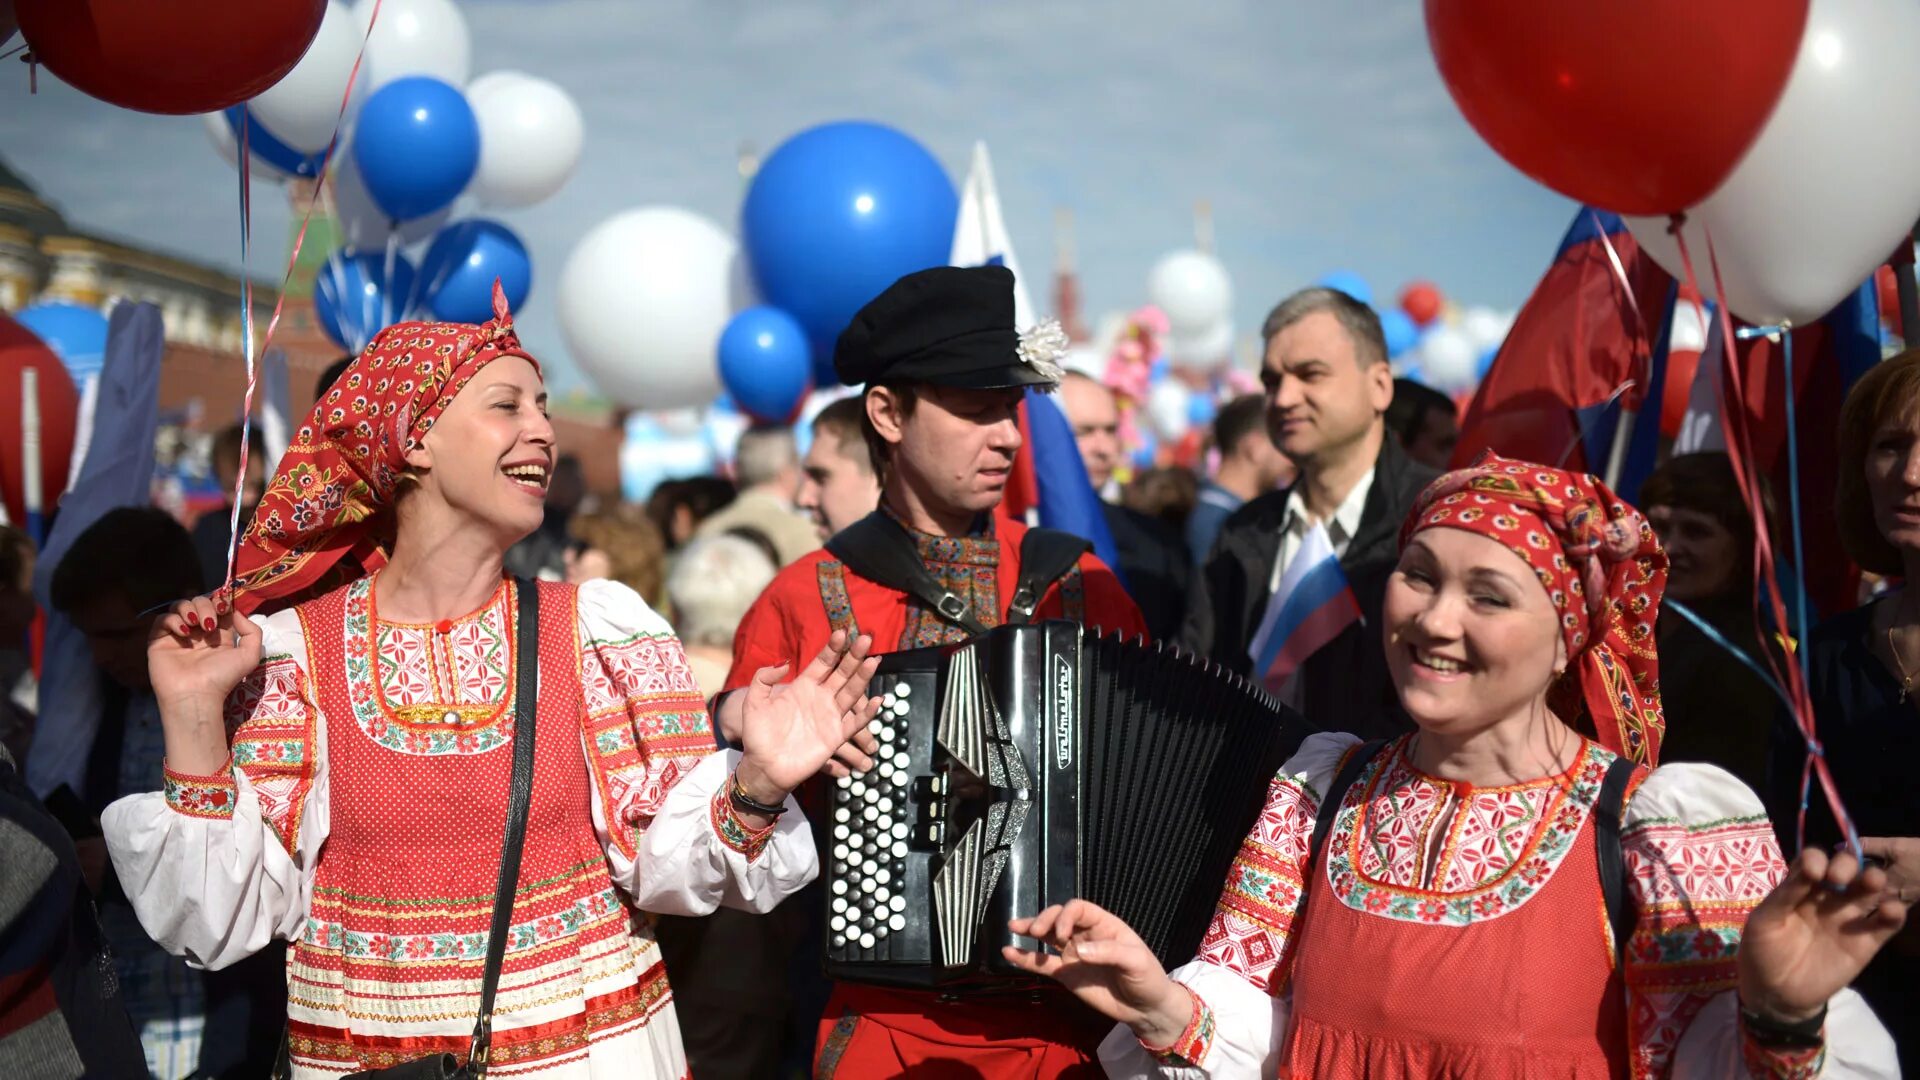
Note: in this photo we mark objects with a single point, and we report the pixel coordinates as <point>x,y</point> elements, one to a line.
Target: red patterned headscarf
<point>1601,566</point>
<point>326,518</point>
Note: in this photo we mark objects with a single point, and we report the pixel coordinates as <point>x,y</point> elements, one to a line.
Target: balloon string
<point>1766,585</point>
<point>293,261</point>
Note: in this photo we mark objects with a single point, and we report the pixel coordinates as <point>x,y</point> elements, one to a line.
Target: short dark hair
<point>139,554</point>
<point>1361,323</point>
<point>842,421</point>
<point>701,495</point>
<point>226,445</point>
<point>1237,419</point>
<point>1412,401</point>
<point>1705,482</point>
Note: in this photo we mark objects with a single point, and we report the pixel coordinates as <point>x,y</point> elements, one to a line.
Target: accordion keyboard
<point>870,833</point>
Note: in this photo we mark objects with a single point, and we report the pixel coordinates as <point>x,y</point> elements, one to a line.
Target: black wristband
<point>1799,1035</point>
<point>743,801</point>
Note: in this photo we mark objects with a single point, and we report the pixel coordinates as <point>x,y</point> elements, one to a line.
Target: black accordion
<point>1028,766</point>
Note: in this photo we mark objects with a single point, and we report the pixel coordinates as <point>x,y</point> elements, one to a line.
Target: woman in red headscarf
<point>1512,890</point>
<point>358,805</point>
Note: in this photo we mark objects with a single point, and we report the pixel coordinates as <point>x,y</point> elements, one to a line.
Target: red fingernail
<point>209,623</point>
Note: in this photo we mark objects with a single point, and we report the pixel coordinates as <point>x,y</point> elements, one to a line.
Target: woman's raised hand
<point>1813,933</point>
<point>197,652</point>
<point>1107,966</point>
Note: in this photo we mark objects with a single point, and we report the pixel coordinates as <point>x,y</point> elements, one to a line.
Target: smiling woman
<point>359,805</point>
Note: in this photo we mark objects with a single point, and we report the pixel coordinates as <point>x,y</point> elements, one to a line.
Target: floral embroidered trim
<point>487,729</point>
<point>1559,825</point>
<point>832,575</point>
<point>1780,1063</point>
<point>1190,1048</point>
<point>585,912</point>
<point>201,796</point>
<point>733,832</point>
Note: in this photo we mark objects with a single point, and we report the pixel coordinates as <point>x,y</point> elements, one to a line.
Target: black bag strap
<point>1045,557</point>
<point>878,549</point>
<point>1609,812</point>
<point>526,691</point>
<point>1336,793</point>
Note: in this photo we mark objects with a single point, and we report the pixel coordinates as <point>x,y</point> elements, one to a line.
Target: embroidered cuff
<point>1190,1049</point>
<point>733,832</point>
<point>1780,1062</point>
<point>201,796</point>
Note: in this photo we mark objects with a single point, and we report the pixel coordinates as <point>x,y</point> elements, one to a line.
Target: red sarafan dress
<point>363,820</point>
<point>1454,931</point>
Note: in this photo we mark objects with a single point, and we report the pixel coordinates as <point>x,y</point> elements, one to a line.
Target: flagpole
<point>1909,295</point>
<point>1617,453</point>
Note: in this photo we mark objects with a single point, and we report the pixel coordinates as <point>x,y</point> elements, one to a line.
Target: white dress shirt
<point>1340,528</point>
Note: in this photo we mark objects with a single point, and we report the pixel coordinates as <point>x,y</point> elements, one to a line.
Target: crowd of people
<point>1544,772</point>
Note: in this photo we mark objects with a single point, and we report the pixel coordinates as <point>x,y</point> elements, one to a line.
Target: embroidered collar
<point>978,548</point>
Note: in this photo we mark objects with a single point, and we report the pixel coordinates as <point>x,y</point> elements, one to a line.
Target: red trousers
<point>877,1033</point>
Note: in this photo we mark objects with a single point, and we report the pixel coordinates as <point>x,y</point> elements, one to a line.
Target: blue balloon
<point>417,145</point>
<point>1350,283</point>
<point>837,214</point>
<point>1485,363</point>
<point>354,298</point>
<point>765,363</point>
<point>267,146</point>
<point>1159,368</point>
<point>458,271</point>
<point>1201,409</point>
<point>1400,332</point>
<point>76,334</point>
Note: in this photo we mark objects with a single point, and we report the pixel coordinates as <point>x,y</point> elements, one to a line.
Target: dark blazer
<point>1344,686</point>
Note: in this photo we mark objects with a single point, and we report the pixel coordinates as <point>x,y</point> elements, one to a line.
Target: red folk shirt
<point>799,611</point>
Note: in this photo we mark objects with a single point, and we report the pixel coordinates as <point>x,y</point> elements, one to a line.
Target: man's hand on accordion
<point>789,731</point>
<point>1107,966</point>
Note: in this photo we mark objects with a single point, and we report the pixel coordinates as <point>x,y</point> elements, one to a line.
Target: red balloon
<point>1889,290</point>
<point>1421,301</point>
<point>163,56</point>
<point>59,410</point>
<point>1635,106</point>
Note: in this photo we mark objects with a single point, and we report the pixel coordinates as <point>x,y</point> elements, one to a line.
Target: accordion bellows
<point>1028,766</point>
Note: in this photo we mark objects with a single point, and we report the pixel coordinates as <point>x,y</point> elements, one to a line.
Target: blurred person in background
<point>714,582</point>
<point>766,464</point>
<point>1250,466</point>
<point>1165,493</point>
<point>18,691</point>
<point>213,531</point>
<point>837,483</point>
<point>1425,421</point>
<point>677,507</point>
<point>618,543</point>
<point>1153,561</point>
<point>542,555</point>
<point>1718,709</point>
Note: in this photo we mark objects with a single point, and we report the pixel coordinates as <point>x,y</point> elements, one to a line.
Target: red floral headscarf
<point>1601,566</point>
<point>325,519</point>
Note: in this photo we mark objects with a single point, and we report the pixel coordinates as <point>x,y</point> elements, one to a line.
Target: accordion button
<point>882,877</point>
<point>867,885</point>
<point>839,904</point>
<point>887,702</point>
<point>841,813</point>
<point>840,832</point>
<point>839,886</point>
<point>901,689</point>
<point>897,923</point>
<point>853,857</point>
<point>866,941</point>
<point>900,833</point>
<point>872,813</point>
<point>886,805</point>
<point>897,903</point>
<point>839,924</point>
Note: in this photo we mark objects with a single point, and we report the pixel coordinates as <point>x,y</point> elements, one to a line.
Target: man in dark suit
<point>1328,387</point>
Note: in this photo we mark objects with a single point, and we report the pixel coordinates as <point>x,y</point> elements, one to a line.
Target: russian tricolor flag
<point>1312,606</point>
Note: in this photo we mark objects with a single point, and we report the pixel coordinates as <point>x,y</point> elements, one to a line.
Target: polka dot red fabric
<point>1601,566</point>
<point>323,519</point>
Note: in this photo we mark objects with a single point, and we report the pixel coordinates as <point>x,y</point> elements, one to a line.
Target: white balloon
<point>530,138</point>
<point>643,299</point>
<point>303,107</point>
<point>1193,290</point>
<point>1830,185</point>
<point>1447,358</point>
<point>220,133</point>
<point>363,225</point>
<point>1485,327</point>
<point>415,37</point>
<point>1211,346</point>
<point>1168,408</point>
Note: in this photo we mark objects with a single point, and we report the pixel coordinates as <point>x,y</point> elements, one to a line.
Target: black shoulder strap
<point>1337,791</point>
<point>526,663</point>
<point>1045,556</point>
<point>1609,811</point>
<point>878,549</point>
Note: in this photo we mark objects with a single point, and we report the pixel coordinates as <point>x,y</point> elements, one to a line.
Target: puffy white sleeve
<point>1239,981</point>
<point>659,787</point>
<point>1700,856</point>
<point>216,866</point>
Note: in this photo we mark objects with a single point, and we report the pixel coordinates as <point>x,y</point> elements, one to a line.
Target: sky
<point>1320,134</point>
